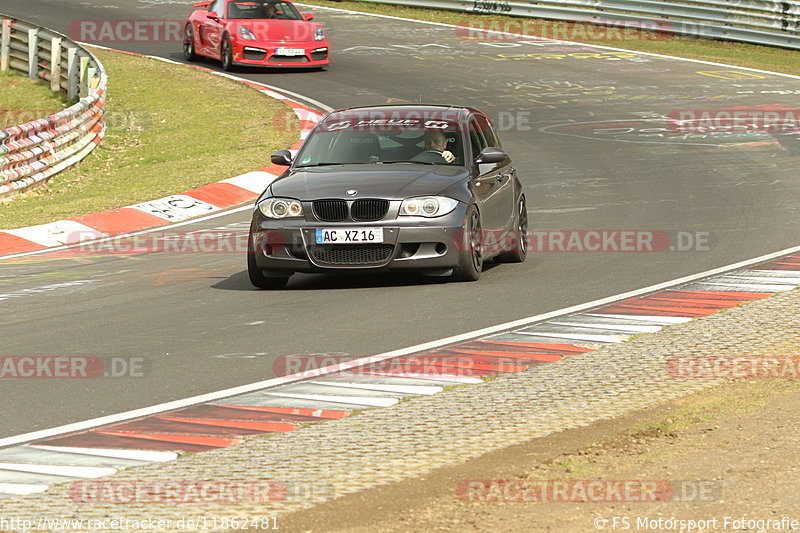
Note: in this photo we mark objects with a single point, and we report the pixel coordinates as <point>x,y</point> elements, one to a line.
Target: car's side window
<point>476,138</point>
<point>486,128</point>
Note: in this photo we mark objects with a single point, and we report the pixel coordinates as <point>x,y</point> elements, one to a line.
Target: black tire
<point>226,54</point>
<point>520,247</point>
<point>470,263</point>
<point>188,44</point>
<point>259,280</point>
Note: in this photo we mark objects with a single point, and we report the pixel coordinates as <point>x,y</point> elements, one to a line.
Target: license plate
<point>290,52</point>
<point>349,235</point>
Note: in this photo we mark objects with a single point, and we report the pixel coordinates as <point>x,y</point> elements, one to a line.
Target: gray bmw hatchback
<point>421,187</point>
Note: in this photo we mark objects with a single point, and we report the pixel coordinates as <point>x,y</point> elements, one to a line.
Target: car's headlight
<point>319,33</point>
<point>246,34</point>
<point>281,208</point>
<point>427,206</point>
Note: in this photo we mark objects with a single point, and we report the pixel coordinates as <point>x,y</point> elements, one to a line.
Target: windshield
<point>257,10</point>
<point>353,142</point>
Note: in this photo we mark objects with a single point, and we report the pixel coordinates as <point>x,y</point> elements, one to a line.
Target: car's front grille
<point>369,210</point>
<point>330,210</point>
<point>319,56</point>
<point>288,59</point>
<point>351,254</point>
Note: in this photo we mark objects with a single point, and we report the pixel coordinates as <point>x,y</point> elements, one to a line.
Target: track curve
<point>586,129</point>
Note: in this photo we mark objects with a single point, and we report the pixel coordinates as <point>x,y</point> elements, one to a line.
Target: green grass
<point>170,128</point>
<point>745,55</point>
<point>23,100</point>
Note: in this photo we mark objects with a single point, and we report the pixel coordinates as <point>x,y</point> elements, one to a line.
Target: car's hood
<point>281,31</point>
<point>392,182</point>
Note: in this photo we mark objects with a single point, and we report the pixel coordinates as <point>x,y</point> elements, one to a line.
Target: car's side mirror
<point>213,16</point>
<point>308,16</point>
<point>491,156</point>
<point>282,158</point>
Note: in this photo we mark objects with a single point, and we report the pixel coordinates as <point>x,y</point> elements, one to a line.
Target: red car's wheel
<point>226,54</point>
<point>188,43</point>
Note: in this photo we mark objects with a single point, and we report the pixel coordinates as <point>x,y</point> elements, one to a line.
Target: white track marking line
<point>574,336</point>
<point>22,489</point>
<point>665,320</point>
<point>60,470</point>
<point>754,286</point>
<point>314,103</point>
<point>403,389</point>
<point>283,380</point>
<point>601,325</point>
<point>360,401</point>
<point>136,455</point>
<point>435,376</point>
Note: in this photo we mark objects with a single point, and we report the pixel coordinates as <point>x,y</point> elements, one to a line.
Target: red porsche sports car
<point>270,33</point>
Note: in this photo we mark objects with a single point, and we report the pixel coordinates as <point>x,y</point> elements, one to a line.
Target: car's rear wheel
<point>226,54</point>
<point>470,263</point>
<point>188,43</point>
<point>519,248</point>
<point>259,280</point>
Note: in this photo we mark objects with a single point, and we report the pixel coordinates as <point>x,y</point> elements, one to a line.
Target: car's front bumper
<point>426,244</point>
<point>261,54</point>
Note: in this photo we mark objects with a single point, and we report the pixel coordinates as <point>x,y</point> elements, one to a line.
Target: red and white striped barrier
<point>163,211</point>
<point>31,153</point>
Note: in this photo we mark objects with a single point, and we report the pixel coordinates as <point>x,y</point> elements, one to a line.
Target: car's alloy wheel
<point>226,54</point>
<point>520,247</point>
<point>470,262</point>
<point>188,44</point>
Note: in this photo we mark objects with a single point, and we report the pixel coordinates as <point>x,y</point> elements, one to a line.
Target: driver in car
<point>435,148</point>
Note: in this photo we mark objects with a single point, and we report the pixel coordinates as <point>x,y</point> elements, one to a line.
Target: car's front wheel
<point>259,280</point>
<point>226,54</point>
<point>519,247</point>
<point>470,263</point>
<point>188,43</point>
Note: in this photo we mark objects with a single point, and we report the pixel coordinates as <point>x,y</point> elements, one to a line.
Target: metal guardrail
<point>767,22</point>
<point>33,152</point>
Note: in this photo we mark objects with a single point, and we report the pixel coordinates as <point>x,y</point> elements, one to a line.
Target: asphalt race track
<point>586,129</point>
